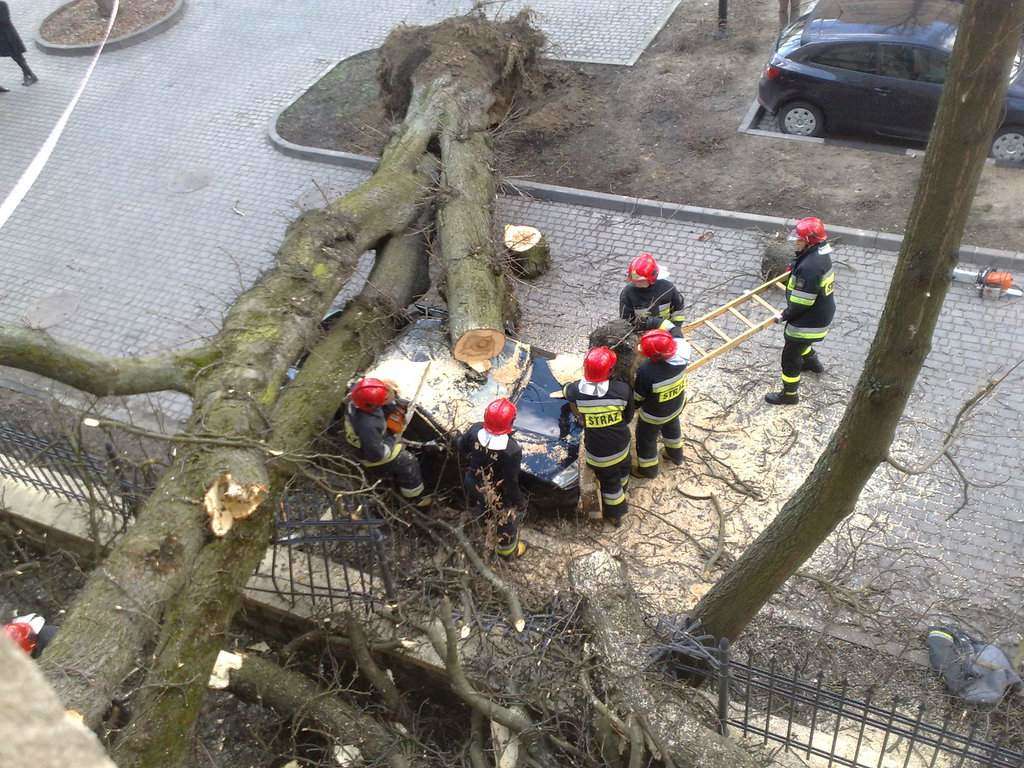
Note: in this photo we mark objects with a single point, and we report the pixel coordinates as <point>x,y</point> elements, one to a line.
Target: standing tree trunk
<point>970,110</point>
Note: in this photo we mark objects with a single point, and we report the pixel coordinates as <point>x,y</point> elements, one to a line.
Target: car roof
<point>926,22</point>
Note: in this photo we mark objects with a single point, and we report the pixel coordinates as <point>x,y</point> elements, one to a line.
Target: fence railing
<point>54,466</point>
<point>329,555</point>
<point>815,719</point>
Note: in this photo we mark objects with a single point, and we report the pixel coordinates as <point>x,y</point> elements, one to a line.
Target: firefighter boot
<point>782,398</point>
<point>812,363</point>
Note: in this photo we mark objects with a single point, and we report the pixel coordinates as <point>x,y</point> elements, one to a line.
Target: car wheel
<point>799,118</point>
<point>1008,145</point>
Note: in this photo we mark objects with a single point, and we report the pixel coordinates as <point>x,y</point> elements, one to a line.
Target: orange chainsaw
<point>991,283</point>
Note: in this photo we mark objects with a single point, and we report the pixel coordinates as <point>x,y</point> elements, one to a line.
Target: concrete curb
<point>638,206</point>
<point>125,41</point>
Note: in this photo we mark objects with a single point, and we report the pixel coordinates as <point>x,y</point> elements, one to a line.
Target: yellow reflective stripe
<point>395,450</point>
<point>828,283</point>
<point>614,500</point>
<point>508,550</point>
<point>599,408</point>
<point>666,325</point>
<point>646,462</point>
<point>678,318</point>
<point>807,350</point>
<point>791,283</point>
<point>666,383</point>
<point>606,461</point>
<point>672,443</point>
<point>791,379</point>
<point>799,297</point>
<point>411,493</point>
<point>814,334</point>
<point>646,417</point>
<point>637,397</point>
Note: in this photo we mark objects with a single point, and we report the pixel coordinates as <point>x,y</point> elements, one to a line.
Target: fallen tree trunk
<point>199,616</point>
<point>615,623</point>
<point>262,682</point>
<point>477,67</point>
<point>119,610</point>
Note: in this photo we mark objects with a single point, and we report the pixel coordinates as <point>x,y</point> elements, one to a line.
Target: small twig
<point>720,546</point>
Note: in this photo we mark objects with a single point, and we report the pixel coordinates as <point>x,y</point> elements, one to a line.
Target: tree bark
<point>29,349</point>
<point>198,617</point>
<point>615,623</point>
<point>290,693</point>
<point>33,728</point>
<point>119,610</point>
<point>970,109</point>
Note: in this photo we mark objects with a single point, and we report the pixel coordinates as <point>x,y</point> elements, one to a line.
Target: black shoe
<point>813,364</point>
<point>781,398</point>
<point>644,473</point>
<point>615,521</point>
<point>30,80</point>
<point>3,90</point>
<point>678,461</point>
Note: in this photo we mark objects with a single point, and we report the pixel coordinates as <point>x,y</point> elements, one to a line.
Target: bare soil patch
<point>79,23</point>
<point>666,129</point>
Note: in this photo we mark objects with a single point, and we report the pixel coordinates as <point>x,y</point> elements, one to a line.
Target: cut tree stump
<point>528,251</point>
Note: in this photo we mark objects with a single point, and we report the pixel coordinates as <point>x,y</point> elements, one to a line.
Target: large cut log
<point>476,67</point>
<point>119,610</point>
<point>200,615</point>
<point>357,734</point>
<point>613,618</point>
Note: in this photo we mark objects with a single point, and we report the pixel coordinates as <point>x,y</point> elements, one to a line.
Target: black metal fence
<point>328,553</point>
<point>815,719</point>
<point>53,465</point>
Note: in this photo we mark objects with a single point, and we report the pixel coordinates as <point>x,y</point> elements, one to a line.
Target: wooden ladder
<point>721,341</point>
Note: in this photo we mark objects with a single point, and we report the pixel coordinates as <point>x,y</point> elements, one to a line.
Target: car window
<point>857,57</point>
<point>897,61</point>
<point>907,62</point>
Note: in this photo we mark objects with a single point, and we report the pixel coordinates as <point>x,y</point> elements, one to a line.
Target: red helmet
<point>368,394</point>
<point>22,634</point>
<point>643,267</point>
<point>598,364</point>
<point>499,415</point>
<point>811,230</point>
<point>657,345</point>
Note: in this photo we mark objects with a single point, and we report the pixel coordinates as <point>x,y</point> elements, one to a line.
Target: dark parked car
<point>874,66</point>
<point>450,397</point>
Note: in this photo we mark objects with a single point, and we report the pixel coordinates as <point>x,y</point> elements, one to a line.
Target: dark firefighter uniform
<point>649,308</point>
<point>491,483</point>
<point>660,394</point>
<point>380,451</point>
<point>810,307</point>
<point>605,418</point>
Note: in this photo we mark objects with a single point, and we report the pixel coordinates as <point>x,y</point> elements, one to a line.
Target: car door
<point>839,79</point>
<point>910,79</point>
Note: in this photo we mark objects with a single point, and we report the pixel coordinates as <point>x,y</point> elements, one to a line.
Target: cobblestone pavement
<point>164,199</point>
<point>977,555</point>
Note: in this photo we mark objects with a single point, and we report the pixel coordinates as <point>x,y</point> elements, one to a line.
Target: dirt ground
<point>666,129</point>
<point>78,23</point>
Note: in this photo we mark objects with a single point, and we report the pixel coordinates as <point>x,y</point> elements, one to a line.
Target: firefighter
<point>809,310</point>
<point>31,633</point>
<point>373,425</point>
<point>660,394</point>
<point>491,481</point>
<point>648,301</point>
<point>605,408</point>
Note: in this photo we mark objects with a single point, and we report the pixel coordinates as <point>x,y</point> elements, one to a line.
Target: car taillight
<point>771,72</point>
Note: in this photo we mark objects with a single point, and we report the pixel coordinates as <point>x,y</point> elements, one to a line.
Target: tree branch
<point>30,349</point>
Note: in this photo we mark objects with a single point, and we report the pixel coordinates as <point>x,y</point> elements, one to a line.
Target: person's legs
<point>810,360</point>
<point>29,77</point>
<point>613,495</point>
<point>406,471</point>
<point>672,437</point>
<point>792,364</point>
<point>646,448</point>
<point>508,544</point>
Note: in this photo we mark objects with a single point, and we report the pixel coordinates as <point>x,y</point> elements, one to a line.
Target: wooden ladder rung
<point>742,318</point>
<point>765,304</point>
<point>718,331</point>
<point>697,348</point>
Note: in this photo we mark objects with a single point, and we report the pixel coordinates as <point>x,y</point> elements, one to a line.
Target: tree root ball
<point>622,339</point>
<point>778,253</point>
<point>508,49</point>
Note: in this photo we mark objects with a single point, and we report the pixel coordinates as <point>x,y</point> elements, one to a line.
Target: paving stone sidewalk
<point>164,200</point>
